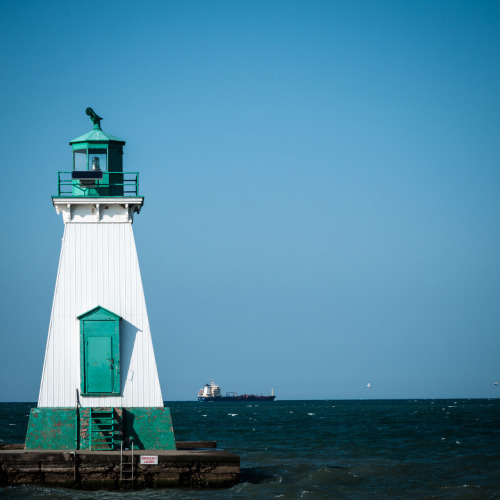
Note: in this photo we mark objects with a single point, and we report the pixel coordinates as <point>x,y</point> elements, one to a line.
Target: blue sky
<point>321,183</point>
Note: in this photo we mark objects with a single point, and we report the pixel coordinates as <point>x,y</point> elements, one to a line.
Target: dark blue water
<point>328,449</point>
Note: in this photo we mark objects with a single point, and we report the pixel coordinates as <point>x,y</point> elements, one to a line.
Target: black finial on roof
<point>94,118</point>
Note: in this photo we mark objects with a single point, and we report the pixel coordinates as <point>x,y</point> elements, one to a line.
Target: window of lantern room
<point>98,160</point>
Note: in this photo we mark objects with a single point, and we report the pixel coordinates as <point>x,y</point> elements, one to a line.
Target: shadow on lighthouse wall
<point>128,336</point>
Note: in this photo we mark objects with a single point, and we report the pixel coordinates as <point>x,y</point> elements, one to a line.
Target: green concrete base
<point>68,429</point>
<point>150,428</point>
<point>52,429</point>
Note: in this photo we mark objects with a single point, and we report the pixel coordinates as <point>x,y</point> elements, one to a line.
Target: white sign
<point>149,460</point>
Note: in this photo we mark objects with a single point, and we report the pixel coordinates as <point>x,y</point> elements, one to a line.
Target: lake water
<point>327,449</point>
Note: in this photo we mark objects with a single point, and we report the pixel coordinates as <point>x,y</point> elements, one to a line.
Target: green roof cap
<point>97,135</point>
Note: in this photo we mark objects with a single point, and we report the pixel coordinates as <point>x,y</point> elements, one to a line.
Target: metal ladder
<point>102,429</point>
<point>127,468</point>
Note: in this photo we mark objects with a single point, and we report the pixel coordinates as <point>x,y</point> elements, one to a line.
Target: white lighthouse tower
<point>99,383</point>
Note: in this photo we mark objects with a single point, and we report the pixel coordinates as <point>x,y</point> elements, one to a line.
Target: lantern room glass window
<point>84,159</point>
<point>80,159</point>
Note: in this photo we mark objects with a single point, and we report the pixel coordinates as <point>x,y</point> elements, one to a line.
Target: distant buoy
<point>369,385</point>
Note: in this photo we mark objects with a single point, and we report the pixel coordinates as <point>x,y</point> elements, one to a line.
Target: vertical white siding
<point>98,266</point>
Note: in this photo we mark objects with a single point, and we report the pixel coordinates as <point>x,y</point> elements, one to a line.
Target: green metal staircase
<point>102,429</point>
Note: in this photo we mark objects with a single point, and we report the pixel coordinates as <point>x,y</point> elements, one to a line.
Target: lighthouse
<point>100,385</point>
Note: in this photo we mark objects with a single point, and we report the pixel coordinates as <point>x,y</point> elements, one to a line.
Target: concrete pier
<point>188,466</point>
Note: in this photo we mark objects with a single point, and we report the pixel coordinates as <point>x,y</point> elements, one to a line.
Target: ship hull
<point>243,397</point>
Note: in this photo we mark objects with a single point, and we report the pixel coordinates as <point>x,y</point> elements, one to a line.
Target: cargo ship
<point>211,392</point>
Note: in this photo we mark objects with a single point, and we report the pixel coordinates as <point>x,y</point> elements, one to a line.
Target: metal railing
<point>113,184</point>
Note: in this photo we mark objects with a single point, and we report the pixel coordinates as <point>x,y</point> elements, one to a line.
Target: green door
<point>100,362</point>
<point>99,353</point>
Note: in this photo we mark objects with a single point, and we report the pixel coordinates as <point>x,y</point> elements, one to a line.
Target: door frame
<point>100,314</point>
